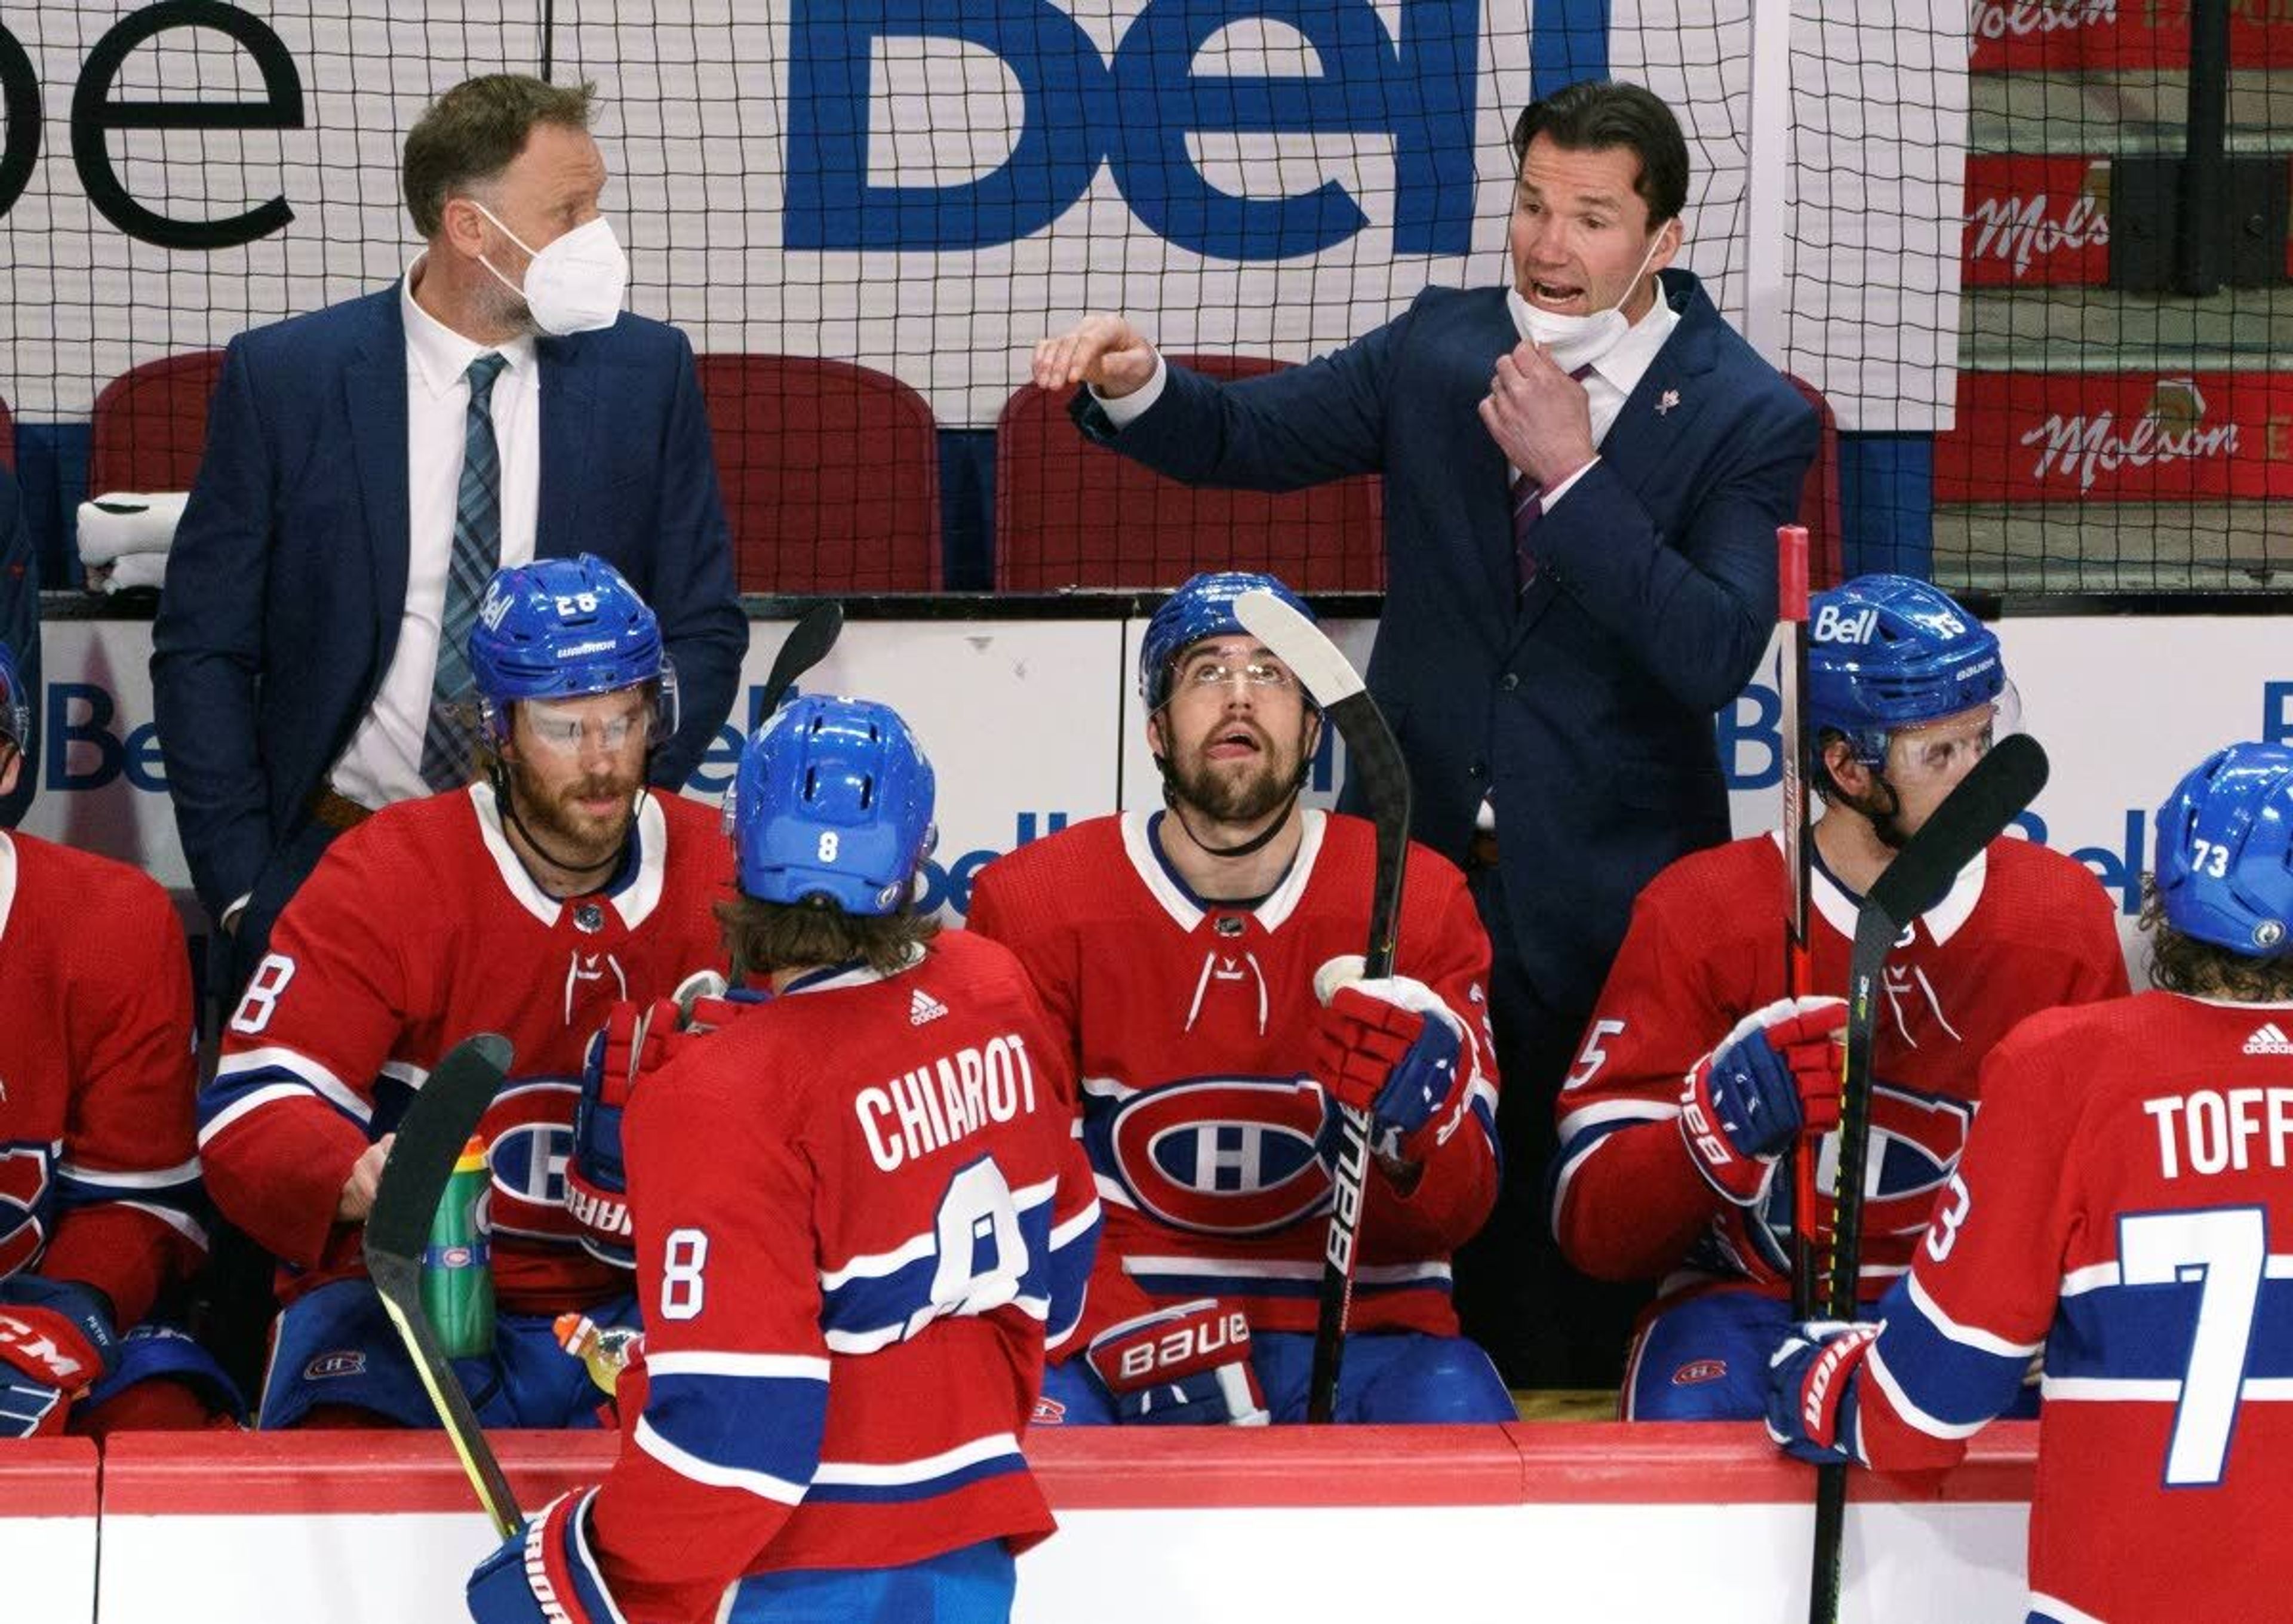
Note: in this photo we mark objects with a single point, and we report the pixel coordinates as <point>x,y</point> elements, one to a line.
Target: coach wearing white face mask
<point>1583,477</point>
<point>369,467</point>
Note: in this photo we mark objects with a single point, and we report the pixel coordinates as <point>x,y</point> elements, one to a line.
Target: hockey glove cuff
<point>1389,1047</point>
<point>56,1342</point>
<point>1811,1390</point>
<point>1186,1364</point>
<point>1774,1075</point>
<point>544,1573</point>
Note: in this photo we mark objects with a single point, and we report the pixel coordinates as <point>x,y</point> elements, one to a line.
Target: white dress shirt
<point>383,762</point>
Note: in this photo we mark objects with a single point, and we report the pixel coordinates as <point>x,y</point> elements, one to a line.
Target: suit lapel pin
<point>1666,401</point>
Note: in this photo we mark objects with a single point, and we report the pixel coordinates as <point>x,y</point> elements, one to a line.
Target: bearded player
<point>1180,952</point>
<point>2125,1205</point>
<point>99,1203</point>
<point>1697,1072</point>
<point>526,904</point>
<point>860,1214</point>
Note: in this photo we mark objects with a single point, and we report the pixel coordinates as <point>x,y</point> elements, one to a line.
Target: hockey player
<point>2124,1203</point>
<point>98,1184</point>
<point>1697,1073</point>
<point>860,1214</point>
<point>1182,954</point>
<point>526,904</point>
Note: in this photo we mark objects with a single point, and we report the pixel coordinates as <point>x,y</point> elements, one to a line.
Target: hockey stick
<point>1791,689</point>
<point>807,643</point>
<point>1971,817</point>
<point>1374,757</point>
<point>437,1124</point>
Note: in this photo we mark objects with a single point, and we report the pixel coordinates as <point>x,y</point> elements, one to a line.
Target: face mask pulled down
<point>1577,342</point>
<point>572,284</point>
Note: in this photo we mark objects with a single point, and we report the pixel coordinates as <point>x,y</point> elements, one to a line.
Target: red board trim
<point>1589,1463</point>
<point>48,1477</point>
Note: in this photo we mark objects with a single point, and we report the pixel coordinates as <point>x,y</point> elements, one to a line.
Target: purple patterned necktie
<point>1527,508</point>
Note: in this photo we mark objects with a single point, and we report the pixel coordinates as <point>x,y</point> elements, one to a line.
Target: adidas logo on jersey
<point>923,1007</point>
<point>2269,1041</point>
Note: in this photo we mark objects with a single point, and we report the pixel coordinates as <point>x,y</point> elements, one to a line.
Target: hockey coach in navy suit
<point>1582,474</point>
<point>369,465</point>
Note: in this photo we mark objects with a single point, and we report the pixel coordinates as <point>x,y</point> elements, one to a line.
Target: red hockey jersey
<point>1191,1026</point>
<point>418,929</point>
<point>99,1182</point>
<point>2021,929</point>
<point>2127,1199</point>
<point>859,1215</point>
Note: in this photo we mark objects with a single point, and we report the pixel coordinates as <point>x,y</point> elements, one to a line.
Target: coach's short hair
<point>475,131</point>
<point>1601,113</point>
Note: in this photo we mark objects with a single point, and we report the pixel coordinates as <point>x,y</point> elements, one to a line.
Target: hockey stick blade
<point>1374,757</point>
<point>444,1114</point>
<point>1977,812</point>
<point>807,643</point>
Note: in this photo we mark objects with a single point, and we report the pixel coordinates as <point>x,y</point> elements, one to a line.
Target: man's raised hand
<point>1104,352</point>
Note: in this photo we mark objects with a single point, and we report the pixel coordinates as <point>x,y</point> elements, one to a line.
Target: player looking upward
<point>859,1215</point>
<point>526,904</point>
<point>1180,953</point>
<point>1660,1178</point>
<point>100,1204</point>
<point>2124,1204</point>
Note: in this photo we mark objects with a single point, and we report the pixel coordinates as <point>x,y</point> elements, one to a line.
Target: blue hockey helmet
<point>563,629</point>
<point>1887,651</point>
<point>15,704</point>
<point>2223,861</point>
<point>833,799</point>
<point>1202,608</point>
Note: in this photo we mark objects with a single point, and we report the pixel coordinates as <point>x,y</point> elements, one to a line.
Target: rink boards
<point>1465,1524</point>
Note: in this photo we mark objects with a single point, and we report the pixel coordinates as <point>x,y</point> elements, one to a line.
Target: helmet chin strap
<point>1257,842</point>
<point>507,799</point>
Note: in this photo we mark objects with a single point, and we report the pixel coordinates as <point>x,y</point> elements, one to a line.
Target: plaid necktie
<point>449,743</point>
<point>1527,508</point>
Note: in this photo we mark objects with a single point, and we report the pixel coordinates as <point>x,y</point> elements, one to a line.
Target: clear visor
<point>1945,750</point>
<point>574,727</point>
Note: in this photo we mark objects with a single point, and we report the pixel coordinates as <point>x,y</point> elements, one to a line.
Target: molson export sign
<point>2035,221</point>
<point>2007,35</point>
<point>2117,437</point>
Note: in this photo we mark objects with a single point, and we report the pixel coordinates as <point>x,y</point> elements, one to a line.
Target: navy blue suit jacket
<point>288,576</point>
<point>19,629</point>
<point>1584,705</point>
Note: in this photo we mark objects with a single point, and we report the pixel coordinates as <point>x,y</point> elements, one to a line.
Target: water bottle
<point>458,1276</point>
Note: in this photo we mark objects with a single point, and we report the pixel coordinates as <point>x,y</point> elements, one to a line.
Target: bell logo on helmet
<point>1832,626</point>
<point>497,605</point>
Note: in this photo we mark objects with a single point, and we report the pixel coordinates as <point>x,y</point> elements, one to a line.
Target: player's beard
<point>570,833</point>
<point>1236,793</point>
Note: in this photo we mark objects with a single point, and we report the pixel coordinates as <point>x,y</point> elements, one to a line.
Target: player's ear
<point>1158,743</point>
<point>1848,775</point>
<point>10,773</point>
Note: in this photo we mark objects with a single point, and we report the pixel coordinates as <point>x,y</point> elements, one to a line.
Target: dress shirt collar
<point>441,355</point>
<point>1623,367</point>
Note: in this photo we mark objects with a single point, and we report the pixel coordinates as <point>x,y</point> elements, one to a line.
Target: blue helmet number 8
<point>828,844</point>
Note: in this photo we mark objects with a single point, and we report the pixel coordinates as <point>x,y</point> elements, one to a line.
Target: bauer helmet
<point>1202,608</point>
<point>563,629</point>
<point>1886,651</point>
<point>15,704</point>
<point>832,799</point>
<point>2223,860</point>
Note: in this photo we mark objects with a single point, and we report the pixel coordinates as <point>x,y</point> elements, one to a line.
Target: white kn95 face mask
<point>572,284</point>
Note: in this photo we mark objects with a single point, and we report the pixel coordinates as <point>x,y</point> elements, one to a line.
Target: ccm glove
<point>1774,1075</point>
<point>1811,1390</point>
<point>544,1573</point>
<point>56,1342</point>
<point>1186,1364</point>
<point>1388,1046</point>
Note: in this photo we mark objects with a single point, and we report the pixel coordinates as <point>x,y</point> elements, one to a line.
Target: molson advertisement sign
<point>2037,221</point>
<point>2117,437</point>
<point>2113,34</point>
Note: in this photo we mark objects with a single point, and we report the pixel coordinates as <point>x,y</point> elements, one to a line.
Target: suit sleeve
<point>736,1367</point>
<point>1962,1326</point>
<point>1695,609</point>
<point>1627,1200</point>
<point>128,1183</point>
<point>19,629</point>
<point>1282,431</point>
<point>1457,1184</point>
<point>207,645</point>
<point>287,1113</point>
<point>691,587</point>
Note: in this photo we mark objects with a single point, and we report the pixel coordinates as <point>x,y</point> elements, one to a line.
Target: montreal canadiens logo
<point>23,1205</point>
<point>528,1136</point>
<point>1223,1156</point>
<point>1696,1372</point>
<point>342,1361</point>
